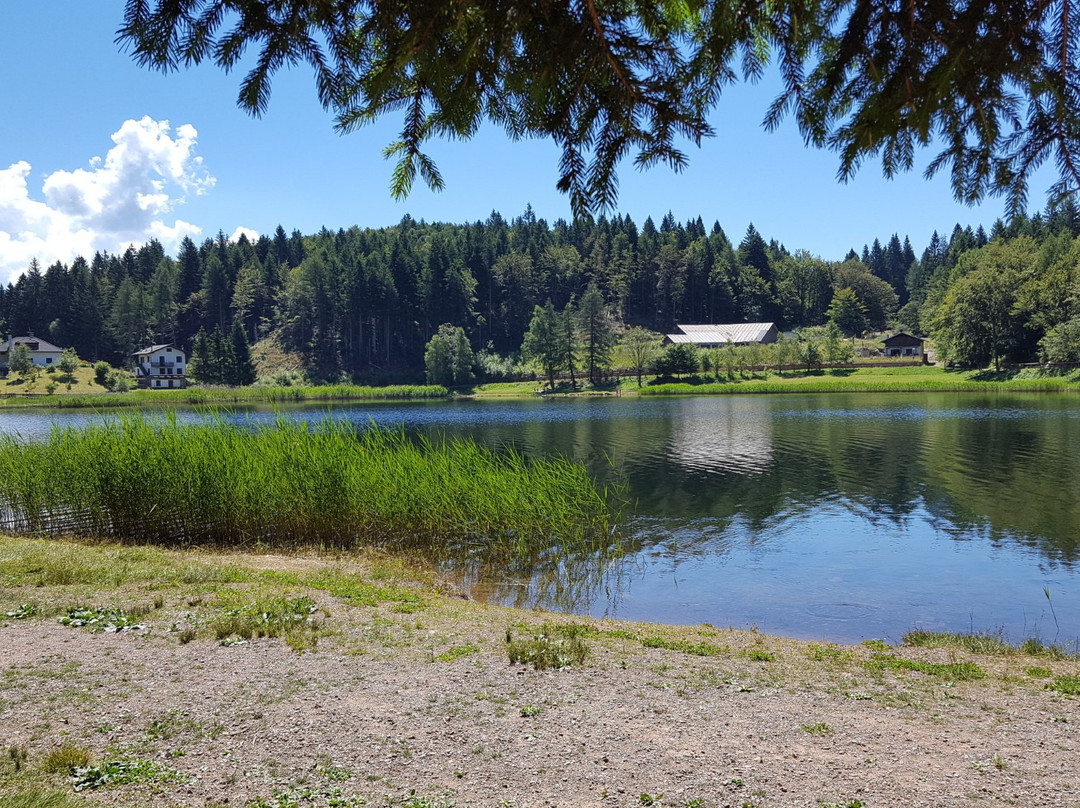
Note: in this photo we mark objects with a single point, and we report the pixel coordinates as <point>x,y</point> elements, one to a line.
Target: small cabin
<point>904,345</point>
<point>161,367</point>
<point>43,354</point>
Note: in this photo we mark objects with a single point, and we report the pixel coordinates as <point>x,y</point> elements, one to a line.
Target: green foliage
<point>641,76</point>
<point>69,361</point>
<point>543,344</point>
<point>677,359</point>
<point>125,771</point>
<point>101,373</point>
<point>448,357</point>
<point>847,313</point>
<point>20,360</point>
<point>597,334</point>
<point>640,348</point>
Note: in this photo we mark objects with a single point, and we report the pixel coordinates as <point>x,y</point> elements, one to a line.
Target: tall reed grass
<point>287,484</point>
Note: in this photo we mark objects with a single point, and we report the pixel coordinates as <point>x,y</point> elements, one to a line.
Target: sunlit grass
<point>874,380</point>
<point>217,396</point>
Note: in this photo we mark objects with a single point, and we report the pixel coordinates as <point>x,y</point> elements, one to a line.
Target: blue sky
<point>68,92</point>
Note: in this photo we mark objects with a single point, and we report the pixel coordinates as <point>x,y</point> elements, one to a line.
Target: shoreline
<point>388,689</point>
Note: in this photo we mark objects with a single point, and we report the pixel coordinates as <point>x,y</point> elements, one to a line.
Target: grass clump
<point>66,759</point>
<point>457,652</point>
<point>818,730</point>
<point>290,485</point>
<point>282,616</point>
<point>685,646</point>
<point>988,644</point>
<point>552,646</point>
<point>954,671</point>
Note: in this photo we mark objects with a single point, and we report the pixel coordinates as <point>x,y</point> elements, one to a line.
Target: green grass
<point>289,485</point>
<point>876,380</point>
<point>92,396</point>
<point>953,671</point>
<point>988,644</point>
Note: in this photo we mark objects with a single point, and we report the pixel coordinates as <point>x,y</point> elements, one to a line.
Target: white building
<point>43,354</point>
<point>160,367</point>
<point>717,336</point>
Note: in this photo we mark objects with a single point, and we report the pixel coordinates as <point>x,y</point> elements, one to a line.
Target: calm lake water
<point>839,517</point>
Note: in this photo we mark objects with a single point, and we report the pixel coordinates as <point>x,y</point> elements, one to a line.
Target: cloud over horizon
<point>119,200</point>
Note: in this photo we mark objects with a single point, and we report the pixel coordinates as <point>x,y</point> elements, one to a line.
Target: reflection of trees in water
<point>993,468</point>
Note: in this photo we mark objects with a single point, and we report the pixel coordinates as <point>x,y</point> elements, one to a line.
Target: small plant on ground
<point>24,611</point>
<point>108,620</point>
<point>531,710</point>
<point>308,798</point>
<point>118,772</point>
<point>552,646</point>
<point>818,729</point>
<point>1066,685</point>
<point>35,798</point>
<point>1036,672</point>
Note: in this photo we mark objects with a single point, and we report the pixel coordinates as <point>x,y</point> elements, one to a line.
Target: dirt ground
<point>423,708</point>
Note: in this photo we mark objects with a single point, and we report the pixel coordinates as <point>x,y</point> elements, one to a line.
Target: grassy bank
<point>223,396</point>
<point>874,380</point>
<point>219,484</point>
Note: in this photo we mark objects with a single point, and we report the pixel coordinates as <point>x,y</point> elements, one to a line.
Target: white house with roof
<point>42,353</point>
<point>161,367</point>
<point>717,336</point>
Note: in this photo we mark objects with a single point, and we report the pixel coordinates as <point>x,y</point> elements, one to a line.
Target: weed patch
<point>694,648</point>
<point>307,798</point>
<point>120,772</point>
<point>552,646</point>
<point>108,620</point>
<point>954,671</point>
<point>1066,685</point>
<point>457,652</point>
<point>818,730</point>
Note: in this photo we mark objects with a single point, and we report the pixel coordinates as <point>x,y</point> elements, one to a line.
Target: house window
<point>48,360</point>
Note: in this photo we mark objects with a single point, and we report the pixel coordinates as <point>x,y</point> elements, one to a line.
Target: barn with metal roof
<point>717,336</point>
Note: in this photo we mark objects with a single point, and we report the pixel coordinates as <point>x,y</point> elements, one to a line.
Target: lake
<point>838,517</point>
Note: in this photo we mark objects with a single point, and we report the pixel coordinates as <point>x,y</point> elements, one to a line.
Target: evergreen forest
<point>362,304</point>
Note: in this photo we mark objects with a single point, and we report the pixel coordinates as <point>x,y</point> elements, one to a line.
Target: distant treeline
<point>363,303</point>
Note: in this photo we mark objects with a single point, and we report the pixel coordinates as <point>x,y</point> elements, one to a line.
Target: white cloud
<point>252,236</point>
<point>119,200</point>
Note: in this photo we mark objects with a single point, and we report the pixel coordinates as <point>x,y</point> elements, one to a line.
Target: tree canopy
<point>993,83</point>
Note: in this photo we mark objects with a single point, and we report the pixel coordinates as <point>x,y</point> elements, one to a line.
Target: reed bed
<point>867,382</point>
<point>219,396</point>
<point>291,485</point>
